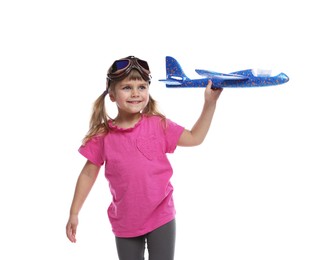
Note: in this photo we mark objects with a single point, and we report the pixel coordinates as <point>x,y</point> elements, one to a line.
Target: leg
<point>130,248</point>
<point>161,242</point>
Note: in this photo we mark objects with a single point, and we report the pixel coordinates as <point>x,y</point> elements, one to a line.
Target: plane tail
<point>174,69</point>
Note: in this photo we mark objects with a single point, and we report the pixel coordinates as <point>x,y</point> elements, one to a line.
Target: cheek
<point>120,96</point>
<point>147,98</point>
<point>146,95</point>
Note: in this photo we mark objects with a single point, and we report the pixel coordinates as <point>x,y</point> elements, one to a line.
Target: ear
<point>112,96</point>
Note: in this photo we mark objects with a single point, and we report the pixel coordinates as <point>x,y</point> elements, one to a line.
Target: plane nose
<point>284,77</point>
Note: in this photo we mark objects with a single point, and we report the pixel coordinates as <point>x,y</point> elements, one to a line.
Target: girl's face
<point>131,96</point>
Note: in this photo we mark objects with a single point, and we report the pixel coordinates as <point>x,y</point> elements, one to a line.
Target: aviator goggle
<point>121,68</point>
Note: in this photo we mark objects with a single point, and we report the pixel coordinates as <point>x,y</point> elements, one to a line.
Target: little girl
<point>133,148</point>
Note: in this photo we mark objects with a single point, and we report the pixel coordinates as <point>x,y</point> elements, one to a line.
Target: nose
<point>135,92</point>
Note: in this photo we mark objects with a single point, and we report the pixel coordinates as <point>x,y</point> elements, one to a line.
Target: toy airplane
<point>176,78</point>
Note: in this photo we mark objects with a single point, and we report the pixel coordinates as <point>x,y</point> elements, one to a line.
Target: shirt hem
<point>134,234</point>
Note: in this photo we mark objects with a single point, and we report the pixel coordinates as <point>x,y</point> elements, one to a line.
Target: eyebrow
<point>131,84</point>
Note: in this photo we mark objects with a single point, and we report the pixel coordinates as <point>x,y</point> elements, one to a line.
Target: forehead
<point>130,81</point>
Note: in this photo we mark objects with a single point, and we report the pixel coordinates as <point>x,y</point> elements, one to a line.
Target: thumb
<point>209,84</point>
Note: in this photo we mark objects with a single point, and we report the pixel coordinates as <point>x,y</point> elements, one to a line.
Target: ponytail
<point>99,119</point>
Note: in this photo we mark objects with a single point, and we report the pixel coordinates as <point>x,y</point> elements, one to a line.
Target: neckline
<point>116,127</point>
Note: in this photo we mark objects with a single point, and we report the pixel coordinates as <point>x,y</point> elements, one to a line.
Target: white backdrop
<point>250,191</point>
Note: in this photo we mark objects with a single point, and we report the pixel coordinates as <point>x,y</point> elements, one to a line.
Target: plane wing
<point>172,82</point>
<point>222,76</point>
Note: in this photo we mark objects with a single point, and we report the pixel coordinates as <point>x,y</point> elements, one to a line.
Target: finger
<point>72,237</point>
<point>210,85</point>
<point>71,233</point>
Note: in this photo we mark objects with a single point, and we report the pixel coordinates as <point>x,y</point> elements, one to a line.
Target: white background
<point>250,191</point>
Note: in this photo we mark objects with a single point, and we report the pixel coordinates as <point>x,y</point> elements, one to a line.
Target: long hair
<point>98,124</point>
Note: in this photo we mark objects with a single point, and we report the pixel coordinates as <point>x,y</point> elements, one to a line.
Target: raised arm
<point>86,180</point>
<point>197,134</point>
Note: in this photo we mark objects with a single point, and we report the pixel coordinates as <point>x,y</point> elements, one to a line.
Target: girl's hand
<point>212,95</point>
<point>71,228</point>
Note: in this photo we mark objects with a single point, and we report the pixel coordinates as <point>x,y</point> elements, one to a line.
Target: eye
<point>127,88</point>
<point>142,87</point>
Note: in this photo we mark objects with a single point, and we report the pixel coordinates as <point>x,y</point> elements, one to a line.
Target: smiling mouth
<point>134,102</point>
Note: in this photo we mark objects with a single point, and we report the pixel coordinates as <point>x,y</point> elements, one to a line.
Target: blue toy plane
<point>176,78</point>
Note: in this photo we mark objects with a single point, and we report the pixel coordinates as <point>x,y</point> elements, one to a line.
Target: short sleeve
<point>93,150</point>
<point>173,132</point>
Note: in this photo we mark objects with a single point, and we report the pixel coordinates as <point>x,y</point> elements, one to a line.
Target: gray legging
<point>160,244</point>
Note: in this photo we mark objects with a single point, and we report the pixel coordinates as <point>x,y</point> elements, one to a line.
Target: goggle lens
<point>143,63</point>
<point>119,65</point>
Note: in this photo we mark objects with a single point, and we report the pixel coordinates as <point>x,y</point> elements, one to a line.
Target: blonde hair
<point>98,124</point>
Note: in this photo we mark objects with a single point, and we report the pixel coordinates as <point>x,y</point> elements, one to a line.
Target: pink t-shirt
<point>138,172</point>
